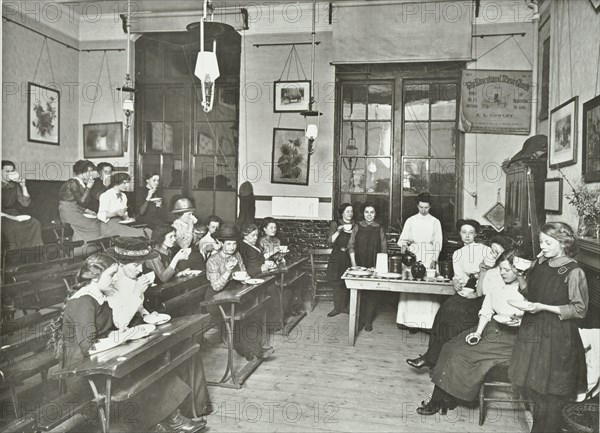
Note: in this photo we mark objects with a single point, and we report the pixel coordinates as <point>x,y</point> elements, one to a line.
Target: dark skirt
<point>455,315</point>
<point>20,234</point>
<point>87,229</point>
<point>461,368</point>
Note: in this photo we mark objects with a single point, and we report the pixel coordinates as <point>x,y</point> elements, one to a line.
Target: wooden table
<point>374,282</point>
<point>288,275</point>
<point>237,302</point>
<point>159,296</point>
<point>120,361</point>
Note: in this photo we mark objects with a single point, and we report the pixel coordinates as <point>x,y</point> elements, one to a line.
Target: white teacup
<point>430,273</point>
<point>347,227</point>
<point>240,275</point>
<point>13,175</point>
<point>283,248</point>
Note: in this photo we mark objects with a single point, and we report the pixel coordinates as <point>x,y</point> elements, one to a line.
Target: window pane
<point>353,180</point>
<point>443,208</point>
<point>225,206</point>
<point>205,203</point>
<point>153,137</point>
<point>443,136</point>
<point>354,101</point>
<point>204,172</point>
<point>356,130</point>
<point>443,103</point>
<point>409,206</point>
<point>416,102</point>
<point>415,179</point>
<point>379,174</point>
<point>175,101</point>
<point>204,139</point>
<point>172,174</point>
<point>442,176</point>
<point>380,102</point>
<point>416,139</point>
<point>225,178</point>
<point>380,138</point>
<point>173,137</point>
<point>226,140</point>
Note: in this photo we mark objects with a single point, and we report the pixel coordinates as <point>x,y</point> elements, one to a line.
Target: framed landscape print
<point>290,161</point>
<point>291,96</point>
<point>43,114</point>
<point>103,140</point>
<point>563,134</point>
<point>590,166</point>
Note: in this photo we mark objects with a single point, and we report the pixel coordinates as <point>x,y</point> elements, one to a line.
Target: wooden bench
<point>35,295</point>
<point>23,351</point>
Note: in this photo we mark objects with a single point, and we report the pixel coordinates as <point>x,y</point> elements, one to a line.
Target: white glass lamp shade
<point>312,131</point>
<point>207,70</point>
<point>128,104</point>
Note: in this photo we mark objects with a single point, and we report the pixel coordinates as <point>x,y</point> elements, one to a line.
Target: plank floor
<point>316,382</point>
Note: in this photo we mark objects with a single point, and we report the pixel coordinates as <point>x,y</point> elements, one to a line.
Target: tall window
<point>366,145</point>
<point>429,143</point>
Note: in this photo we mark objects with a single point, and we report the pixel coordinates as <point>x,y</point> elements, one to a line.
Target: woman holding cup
<point>467,358</point>
<point>339,259</point>
<point>18,231</point>
<point>166,264</point>
<point>151,211</point>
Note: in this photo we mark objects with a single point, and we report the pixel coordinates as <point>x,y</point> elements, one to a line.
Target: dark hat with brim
<point>131,250</point>
<point>467,222</point>
<point>183,205</point>
<point>229,232</point>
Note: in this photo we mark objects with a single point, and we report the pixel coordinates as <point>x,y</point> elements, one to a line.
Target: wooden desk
<point>373,282</point>
<point>122,360</point>
<point>247,299</point>
<point>157,296</point>
<point>287,275</point>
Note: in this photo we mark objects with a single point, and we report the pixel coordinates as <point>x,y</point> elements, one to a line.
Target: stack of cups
<point>381,265</point>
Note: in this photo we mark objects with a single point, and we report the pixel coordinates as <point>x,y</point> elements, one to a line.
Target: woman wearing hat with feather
<point>219,271</point>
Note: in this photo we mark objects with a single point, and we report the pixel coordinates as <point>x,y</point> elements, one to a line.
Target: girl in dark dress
<point>339,260</point>
<point>366,241</point>
<point>167,264</point>
<point>17,230</point>
<point>151,210</point>
<point>87,327</point>
<point>548,359</point>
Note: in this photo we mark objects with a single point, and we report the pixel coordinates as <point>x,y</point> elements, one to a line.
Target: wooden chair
<point>318,269</point>
<point>497,378</point>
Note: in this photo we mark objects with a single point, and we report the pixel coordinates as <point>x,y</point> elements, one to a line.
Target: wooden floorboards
<point>316,382</point>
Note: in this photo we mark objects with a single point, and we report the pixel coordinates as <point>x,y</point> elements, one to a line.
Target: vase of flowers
<point>586,201</point>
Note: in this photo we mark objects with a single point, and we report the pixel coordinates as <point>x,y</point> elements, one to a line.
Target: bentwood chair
<point>318,269</point>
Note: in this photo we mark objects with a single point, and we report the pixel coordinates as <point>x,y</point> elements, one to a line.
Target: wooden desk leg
<point>230,354</point>
<point>281,308</point>
<point>354,311</point>
<point>192,365</point>
<point>103,412</point>
<point>108,397</point>
<point>229,330</point>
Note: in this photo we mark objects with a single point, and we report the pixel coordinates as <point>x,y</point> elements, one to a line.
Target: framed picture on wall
<point>103,140</point>
<point>590,166</point>
<point>291,96</point>
<point>553,190</point>
<point>43,114</point>
<point>563,134</point>
<point>290,158</point>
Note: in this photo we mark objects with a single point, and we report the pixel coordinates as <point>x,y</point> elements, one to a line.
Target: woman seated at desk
<point>17,230</point>
<point>466,359</point>
<point>459,312</point>
<point>209,243</point>
<point>87,326</point>
<point>269,243</point>
<point>151,211</point>
<point>74,201</point>
<point>219,271</point>
<point>166,264</point>
<point>112,211</point>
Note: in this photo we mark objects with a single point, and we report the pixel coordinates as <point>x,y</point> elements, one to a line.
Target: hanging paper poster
<point>496,102</point>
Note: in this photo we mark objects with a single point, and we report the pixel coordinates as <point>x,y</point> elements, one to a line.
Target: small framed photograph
<point>553,195</point>
<point>43,114</point>
<point>291,160</point>
<point>103,140</point>
<point>495,216</point>
<point>291,96</point>
<point>590,166</point>
<point>563,134</point>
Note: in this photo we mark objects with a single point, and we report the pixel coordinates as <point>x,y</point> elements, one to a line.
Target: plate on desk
<point>156,318</point>
<point>253,281</point>
<point>359,273</point>
<point>140,331</point>
<point>390,275</point>
<point>127,221</point>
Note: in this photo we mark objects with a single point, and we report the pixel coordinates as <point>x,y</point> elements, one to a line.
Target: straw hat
<point>229,232</point>
<point>131,250</point>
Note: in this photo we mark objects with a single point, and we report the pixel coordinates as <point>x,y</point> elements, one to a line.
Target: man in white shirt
<point>421,235</point>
